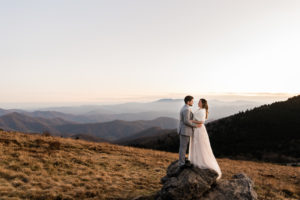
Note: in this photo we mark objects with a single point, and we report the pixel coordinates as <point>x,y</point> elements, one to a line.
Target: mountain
<point>51,115</point>
<point>130,116</point>
<point>6,111</point>
<point>269,133</point>
<point>39,167</point>
<point>3,112</point>
<point>117,129</point>
<point>112,130</point>
<point>20,122</point>
<point>65,116</point>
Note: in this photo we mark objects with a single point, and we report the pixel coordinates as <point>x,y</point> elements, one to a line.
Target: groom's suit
<point>185,130</point>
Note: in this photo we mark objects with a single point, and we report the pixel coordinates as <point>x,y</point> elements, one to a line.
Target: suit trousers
<point>184,141</point>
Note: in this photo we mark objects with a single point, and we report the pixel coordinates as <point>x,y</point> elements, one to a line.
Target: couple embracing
<point>192,130</point>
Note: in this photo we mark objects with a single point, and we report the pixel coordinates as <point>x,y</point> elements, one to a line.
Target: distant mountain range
<point>269,133</point>
<point>133,111</point>
<point>109,131</point>
<point>117,129</point>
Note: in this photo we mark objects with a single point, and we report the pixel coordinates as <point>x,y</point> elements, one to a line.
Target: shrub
<point>55,145</point>
<point>46,133</point>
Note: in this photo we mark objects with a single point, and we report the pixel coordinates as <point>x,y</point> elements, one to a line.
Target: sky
<point>71,51</point>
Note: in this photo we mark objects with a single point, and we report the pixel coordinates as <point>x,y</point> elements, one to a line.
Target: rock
<point>200,184</point>
<point>190,183</point>
<point>240,187</point>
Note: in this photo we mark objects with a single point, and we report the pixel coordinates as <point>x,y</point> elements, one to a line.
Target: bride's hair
<point>205,106</point>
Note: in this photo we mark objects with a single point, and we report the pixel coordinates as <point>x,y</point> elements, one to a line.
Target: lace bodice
<point>200,114</point>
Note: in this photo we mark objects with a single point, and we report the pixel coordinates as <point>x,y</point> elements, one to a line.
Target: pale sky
<point>96,51</point>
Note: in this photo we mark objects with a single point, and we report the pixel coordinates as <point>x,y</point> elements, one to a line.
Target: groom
<point>186,129</point>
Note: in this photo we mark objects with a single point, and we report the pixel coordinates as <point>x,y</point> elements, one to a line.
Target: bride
<point>200,152</point>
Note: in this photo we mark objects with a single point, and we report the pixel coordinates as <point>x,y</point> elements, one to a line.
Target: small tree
<point>46,133</point>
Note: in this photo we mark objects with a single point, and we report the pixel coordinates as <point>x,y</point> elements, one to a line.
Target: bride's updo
<point>205,106</point>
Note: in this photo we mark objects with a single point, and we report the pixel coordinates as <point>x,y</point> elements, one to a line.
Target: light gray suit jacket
<point>186,127</point>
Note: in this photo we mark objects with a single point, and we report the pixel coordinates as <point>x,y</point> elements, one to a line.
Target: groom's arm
<point>187,120</point>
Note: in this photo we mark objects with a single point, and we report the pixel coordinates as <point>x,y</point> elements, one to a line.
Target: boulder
<point>201,184</point>
<point>240,187</point>
<point>190,183</point>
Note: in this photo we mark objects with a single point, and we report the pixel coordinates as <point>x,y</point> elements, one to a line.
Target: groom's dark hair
<point>188,98</point>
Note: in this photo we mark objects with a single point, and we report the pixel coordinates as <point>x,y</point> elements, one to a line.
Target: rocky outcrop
<point>195,183</point>
<point>240,187</point>
<point>190,183</point>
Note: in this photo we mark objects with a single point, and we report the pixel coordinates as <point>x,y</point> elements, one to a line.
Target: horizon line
<point>266,97</point>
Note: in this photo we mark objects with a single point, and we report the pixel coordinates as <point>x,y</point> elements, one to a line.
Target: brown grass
<point>45,167</point>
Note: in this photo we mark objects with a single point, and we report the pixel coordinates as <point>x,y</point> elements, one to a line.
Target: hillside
<point>270,132</point>
<point>157,139</point>
<point>40,167</point>
<point>151,132</point>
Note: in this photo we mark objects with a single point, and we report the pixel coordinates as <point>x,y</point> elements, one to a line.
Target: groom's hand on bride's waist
<point>199,125</point>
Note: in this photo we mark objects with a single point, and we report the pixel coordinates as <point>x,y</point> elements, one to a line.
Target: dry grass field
<point>46,167</point>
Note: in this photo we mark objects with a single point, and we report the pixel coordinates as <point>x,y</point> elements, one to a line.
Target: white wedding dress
<point>200,152</point>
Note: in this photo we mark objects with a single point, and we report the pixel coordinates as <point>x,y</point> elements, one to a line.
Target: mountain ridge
<point>112,130</point>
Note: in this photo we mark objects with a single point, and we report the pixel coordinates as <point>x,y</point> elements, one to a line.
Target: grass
<point>46,167</point>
